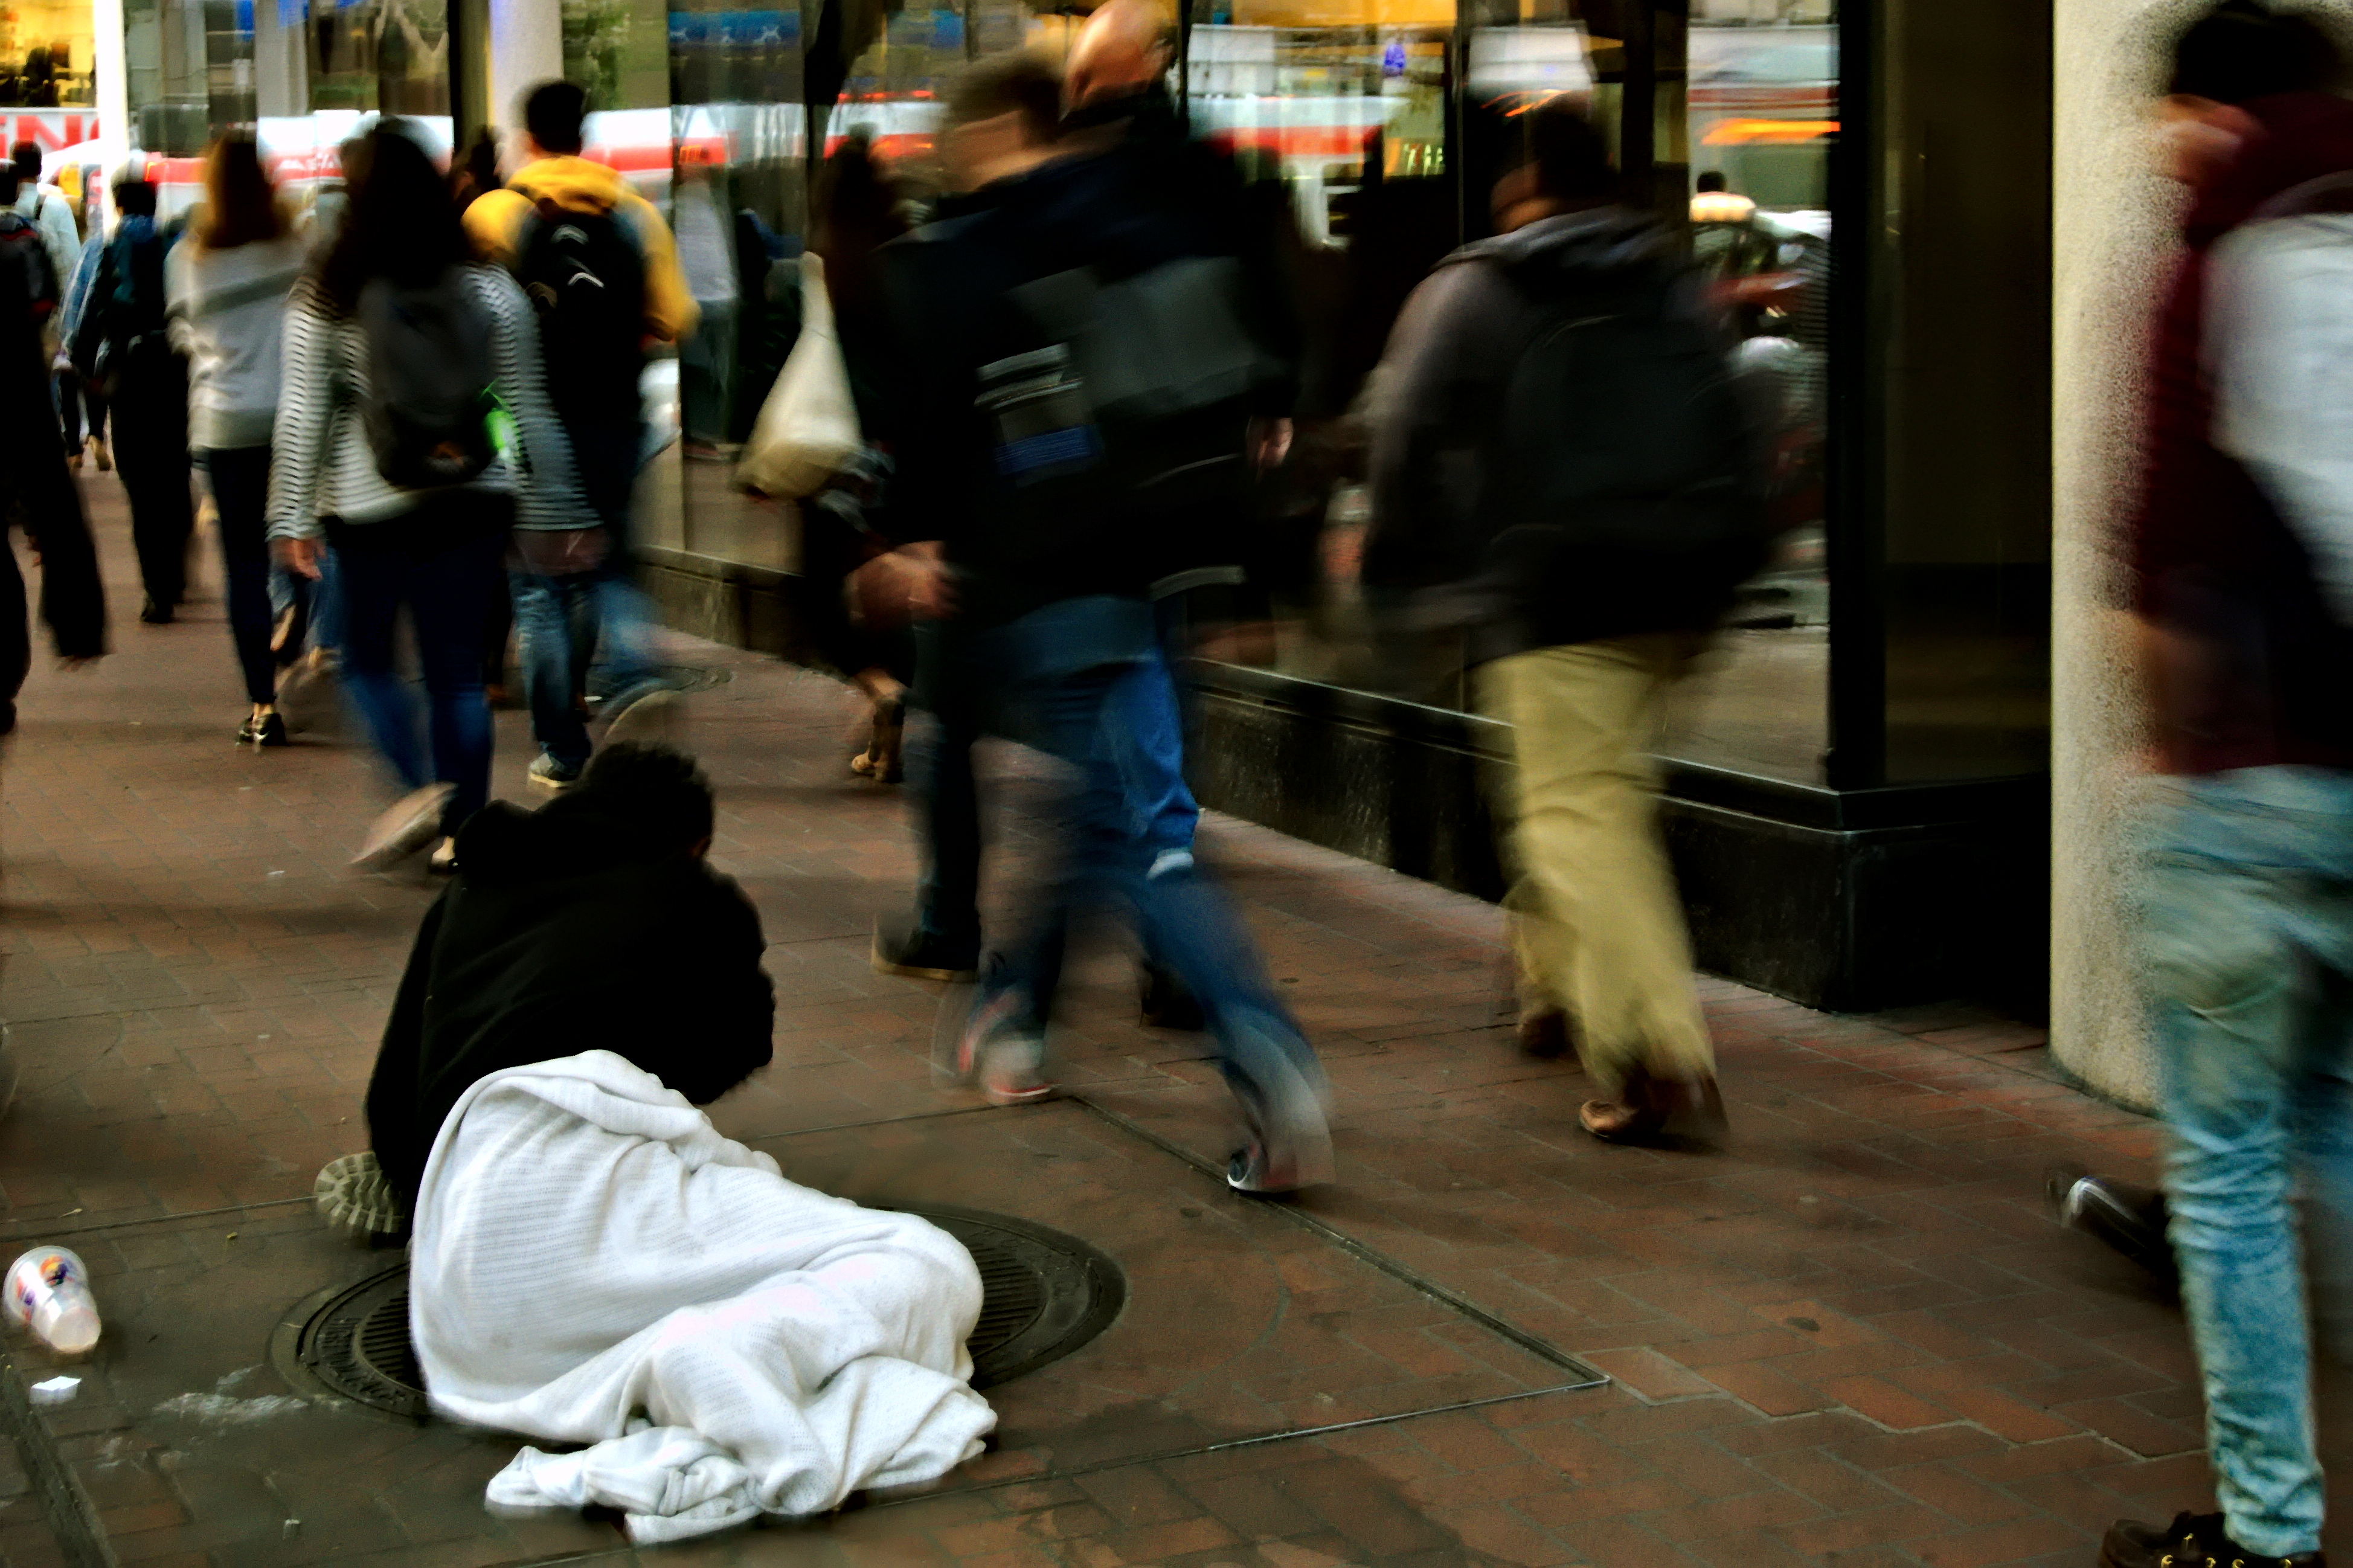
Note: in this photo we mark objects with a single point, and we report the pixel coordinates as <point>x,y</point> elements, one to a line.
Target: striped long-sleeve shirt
<point>321,465</point>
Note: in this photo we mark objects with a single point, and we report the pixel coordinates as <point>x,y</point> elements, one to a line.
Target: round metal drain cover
<point>1043,1295</point>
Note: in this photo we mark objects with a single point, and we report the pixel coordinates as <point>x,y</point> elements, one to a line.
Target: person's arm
<point>734,1003</point>
<point>670,310</point>
<point>306,419</point>
<point>179,295</point>
<point>58,233</point>
<point>1413,397</point>
<point>547,488</point>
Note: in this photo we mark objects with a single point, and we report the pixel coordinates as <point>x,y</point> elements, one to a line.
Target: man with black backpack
<point>1559,440</point>
<point>1077,372</point>
<point>121,346</point>
<point>602,269</point>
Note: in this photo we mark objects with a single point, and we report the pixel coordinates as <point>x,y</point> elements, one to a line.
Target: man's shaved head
<point>1123,49</point>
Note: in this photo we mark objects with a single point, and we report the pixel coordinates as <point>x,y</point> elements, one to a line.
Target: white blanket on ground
<point>593,1263</point>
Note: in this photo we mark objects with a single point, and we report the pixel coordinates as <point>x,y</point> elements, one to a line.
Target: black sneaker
<point>1167,1002</point>
<point>267,730</point>
<point>2192,1541</point>
<point>913,949</point>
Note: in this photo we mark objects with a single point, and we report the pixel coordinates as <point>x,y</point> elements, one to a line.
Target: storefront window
<point>45,48</point>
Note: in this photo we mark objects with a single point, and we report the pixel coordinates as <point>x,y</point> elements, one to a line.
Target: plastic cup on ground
<point>48,1289</point>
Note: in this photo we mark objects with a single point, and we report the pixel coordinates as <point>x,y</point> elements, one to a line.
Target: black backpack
<point>1623,487</point>
<point>586,276</point>
<point>122,324</point>
<point>429,395</point>
<point>29,282</point>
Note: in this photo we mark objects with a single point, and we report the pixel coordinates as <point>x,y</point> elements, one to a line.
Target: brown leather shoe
<point>1653,1110</point>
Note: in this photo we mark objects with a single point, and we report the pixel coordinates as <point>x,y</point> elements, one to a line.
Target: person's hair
<point>553,112</point>
<point>1024,83</point>
<point>402,223</point>
<point>240,203</point>
<point>480,168</point>
<point>1571,159</point>
<point>1709,180</point>
<point>25,157</point>
<point>135,197</point>
<point>2237,51</point>
<point>657,789</point>
<point>8,183</point>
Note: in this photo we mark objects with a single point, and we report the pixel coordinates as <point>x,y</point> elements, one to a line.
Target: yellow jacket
<point>495,223</point>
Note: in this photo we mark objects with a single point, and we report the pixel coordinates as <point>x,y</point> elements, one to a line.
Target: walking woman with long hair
<point>226,288</point>
<point>413,432</point>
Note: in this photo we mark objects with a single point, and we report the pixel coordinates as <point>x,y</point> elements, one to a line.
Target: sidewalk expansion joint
<point>73,1522</point>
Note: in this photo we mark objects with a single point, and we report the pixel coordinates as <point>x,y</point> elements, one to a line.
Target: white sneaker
<point>356,1201</point>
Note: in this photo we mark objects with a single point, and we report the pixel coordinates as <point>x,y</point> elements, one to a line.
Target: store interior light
<point>1735,132</point>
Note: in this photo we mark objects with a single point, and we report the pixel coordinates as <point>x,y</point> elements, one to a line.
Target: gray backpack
<point>429,381</point>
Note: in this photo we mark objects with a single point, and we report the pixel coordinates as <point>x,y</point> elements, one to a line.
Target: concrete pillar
<point>526,48</point>
<point>110,71</point>
<point>2112,227</point>
<point>282,60</point>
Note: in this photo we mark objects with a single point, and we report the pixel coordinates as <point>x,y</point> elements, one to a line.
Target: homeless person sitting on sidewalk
<point>591,1261</point>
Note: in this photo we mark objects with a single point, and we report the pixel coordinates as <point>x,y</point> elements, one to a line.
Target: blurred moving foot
<point>552,776</point>
<point>309,695</point>
<point>649,714</point>
<point>105,458</point>
<point>885,759</point>
<point>1546,1037</point>
<point>2125,1217</point>
<point>1671,1111</point>
<point>910,948</point>
<point>357,1201</point>
<point>1167,1002</point>
<point>1002,1052</point>
<point>153,612</point>
<point>2192,1541</point>
<point>413,821</point>
<point>263,727</point>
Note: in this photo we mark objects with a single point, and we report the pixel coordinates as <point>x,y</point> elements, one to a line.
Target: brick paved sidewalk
<point>1851,1337</point>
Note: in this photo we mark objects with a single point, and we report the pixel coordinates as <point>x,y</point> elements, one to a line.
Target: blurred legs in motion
<point>150,427</point>
<point>1596,924</point>
<point>1113,725</point>
<point>2249,960</point>
<point>441,564</point>
<point>943,942</point>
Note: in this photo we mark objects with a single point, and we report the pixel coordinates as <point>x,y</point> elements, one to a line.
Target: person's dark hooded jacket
<point>567,931</point>
<point>2259,667</point>
<point>1114,215</point>
<point>1450,506</point>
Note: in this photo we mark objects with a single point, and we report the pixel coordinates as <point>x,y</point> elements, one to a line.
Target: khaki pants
<point>1596,926</point>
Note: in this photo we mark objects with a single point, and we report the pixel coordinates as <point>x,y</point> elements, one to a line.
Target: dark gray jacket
<point>1439,409</point>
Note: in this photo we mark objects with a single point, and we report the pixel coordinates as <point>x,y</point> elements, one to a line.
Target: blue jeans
<point>952,684</point>
<point>2247,950</point>
<point>1113,726</point>
<point>440,562</point>
<point>559,622</point>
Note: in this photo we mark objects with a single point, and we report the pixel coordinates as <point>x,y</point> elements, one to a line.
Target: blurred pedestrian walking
<point>1559,440</point>
<point>51,211</point>
<point>412,432</point>
<point>120,342</point>
<point>37,492</point>
<point>227,283</point>
<point>597,262</point>
<point>1077,367</point>
<point>2241,562</point>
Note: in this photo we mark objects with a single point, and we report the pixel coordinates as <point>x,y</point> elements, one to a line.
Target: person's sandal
<point>1673,1112</point>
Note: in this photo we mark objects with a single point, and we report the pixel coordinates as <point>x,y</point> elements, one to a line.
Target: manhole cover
<point>1043,1295</point>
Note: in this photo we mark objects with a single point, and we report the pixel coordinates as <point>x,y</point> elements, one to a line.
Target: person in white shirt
<point>226,291</point>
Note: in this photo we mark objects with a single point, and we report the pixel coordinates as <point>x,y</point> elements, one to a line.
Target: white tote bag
<point>808,428</point>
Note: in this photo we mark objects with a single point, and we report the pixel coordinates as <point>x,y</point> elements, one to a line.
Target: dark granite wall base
<point>1853,902</point>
